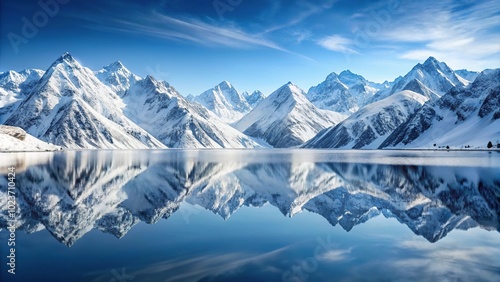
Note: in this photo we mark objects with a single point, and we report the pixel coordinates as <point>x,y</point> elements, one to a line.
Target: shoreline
<point>259,149</point>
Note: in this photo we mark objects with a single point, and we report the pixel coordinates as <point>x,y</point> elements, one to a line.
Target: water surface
<point>254,215</point>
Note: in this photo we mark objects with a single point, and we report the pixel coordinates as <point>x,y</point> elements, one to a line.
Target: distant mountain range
<point>74,107</point>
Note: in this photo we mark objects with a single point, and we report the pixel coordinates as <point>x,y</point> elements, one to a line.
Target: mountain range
<point>74,107</point>
<point>467,115</point>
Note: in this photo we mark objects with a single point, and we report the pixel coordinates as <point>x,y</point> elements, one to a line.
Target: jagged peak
<point>289,89</point>
<point>225,84</point>
<point>9,73</point>
<point>150,79</point>
<point>332,76</point>
<point>115,66</point>
<point>26,73</point>
<point>432,64</point>
<point>31,71</point>
<point>118,64</point>
<point>351,79</point>
<point>431,60</point>
<point>149,82</point>
<point>347,72</point>
<point>66,59</point>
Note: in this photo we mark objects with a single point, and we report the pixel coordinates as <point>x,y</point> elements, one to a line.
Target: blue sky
<point>255,44</point>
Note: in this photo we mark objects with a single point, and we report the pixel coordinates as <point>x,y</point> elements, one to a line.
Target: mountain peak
<point>332,76</point>
<point>437,77</point>
<point>150,79</point>
<point>351,79</point>
<point>347,72</point>
<point>66,57</point>
<point>8,74</point>
<point>430,60</point>
<point>289,90</point>
<point>289,87</point>
<point>225,85</point>
<point>115,66</point>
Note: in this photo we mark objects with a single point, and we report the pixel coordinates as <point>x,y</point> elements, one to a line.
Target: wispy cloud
<point>149,22</point>
<point>338,43</point>
<point>192,30</point>
<point>460,35</point>
<point>307,10</point>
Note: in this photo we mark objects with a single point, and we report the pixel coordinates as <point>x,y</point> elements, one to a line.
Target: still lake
<point>252,215</point>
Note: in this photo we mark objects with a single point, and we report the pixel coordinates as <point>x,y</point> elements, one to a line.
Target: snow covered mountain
<point>225,101</point>
<point>117,77</point>
<point>74,107</point>
<point>368,127</point>
<point>70,107</point>
<point>162,111</point>
<point>286,118</point>
<point>14,87</point>
<point>431,79</point>
<point>344,93</point>
<point>469,116</point>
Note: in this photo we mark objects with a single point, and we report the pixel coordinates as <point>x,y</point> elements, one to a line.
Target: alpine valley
<point>69,106</point>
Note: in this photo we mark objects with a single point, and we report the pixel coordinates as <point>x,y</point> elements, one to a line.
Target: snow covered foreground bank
<point>15,139</point>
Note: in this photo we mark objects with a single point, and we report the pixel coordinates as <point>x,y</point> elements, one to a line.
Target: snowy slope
<point>286,118</point>
<point>225,101</point>
<point>70,107</point>
<point>431,79</point>
<point>369,126</point>
<point>162,111</point>
<point>14,87</point>
<point>117,77</point>
<point>14,139</point>
<point>462,117</point>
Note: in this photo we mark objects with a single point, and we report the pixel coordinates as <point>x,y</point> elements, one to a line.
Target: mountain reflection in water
<point>71,193</point>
